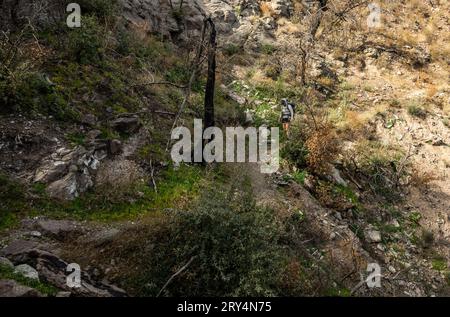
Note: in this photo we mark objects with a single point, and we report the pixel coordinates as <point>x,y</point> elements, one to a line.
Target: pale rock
<point>373,236</point>
<point>27,271</point>
<point>6,262</point>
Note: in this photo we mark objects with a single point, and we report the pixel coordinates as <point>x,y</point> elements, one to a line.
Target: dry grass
<point>266,9</point>
<point>323,147</point>
<point>118,176</point>
<point>287,27</point>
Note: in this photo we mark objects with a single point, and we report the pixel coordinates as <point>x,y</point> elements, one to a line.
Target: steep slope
<point>86,121</point>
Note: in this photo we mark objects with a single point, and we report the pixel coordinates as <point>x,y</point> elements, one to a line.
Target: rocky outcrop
<point>223,14</point>
<point>10,288</point>
<point>27,271</point>
<point>166,18</point>
<point>35,263</point>
<point>126,124</point>
<point>69,172</point>
<point>58,229</point>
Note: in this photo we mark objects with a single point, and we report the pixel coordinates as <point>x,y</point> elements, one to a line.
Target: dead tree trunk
<point>211,80</point>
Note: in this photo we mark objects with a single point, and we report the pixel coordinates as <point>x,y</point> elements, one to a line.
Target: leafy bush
<point>98,8</point>
<point>231,49</point>
<point>384,168</point>
<point>86,44</point>
<point>295,151</point>
<point>12,197</point>
<point>232,244</point>
<point>273,71</point>
<point>417,111</point>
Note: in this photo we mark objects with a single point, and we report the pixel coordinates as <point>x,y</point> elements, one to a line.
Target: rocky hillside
<point>85,170</point>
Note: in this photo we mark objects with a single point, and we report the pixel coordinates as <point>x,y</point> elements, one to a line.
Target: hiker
<point>287,114</point>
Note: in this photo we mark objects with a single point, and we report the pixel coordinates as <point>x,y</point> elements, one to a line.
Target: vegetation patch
<point>7,273</point>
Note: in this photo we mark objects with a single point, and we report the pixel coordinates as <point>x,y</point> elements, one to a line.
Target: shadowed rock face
<point>165,17</point>
<point>177,20</point>
<point>14,13</point>
<point>10,288</point>
<point>50,269</point>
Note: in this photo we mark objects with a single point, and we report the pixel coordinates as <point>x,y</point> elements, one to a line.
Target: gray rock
<point>27,271</point>
<point>18,247</point>
<point>53,270</point>
<point>10,288</point>
<point>105,236</point>
<point>115,147</point>
<point>233,96</point>
<point>89,119</point>
<point>158,17</point>
<point>6,262</point>
<point>51,172</point>
<point>223,15</point>
<point>65,188</point>
<point>93,134</point>
<point>336,176</point>
<point>58,229</point>
<point>35,234</point>
<point>373,236</point>
<point>126,124</point>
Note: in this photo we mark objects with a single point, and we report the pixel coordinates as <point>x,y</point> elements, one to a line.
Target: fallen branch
<point>174,275</point>
<point>152,175</point>
<point>160,83</point>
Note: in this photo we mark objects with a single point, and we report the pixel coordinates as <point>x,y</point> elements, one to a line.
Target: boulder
<point>70,172</point>
<point>27,271</point>
<point>249,8</point>
<point>52,270</point>
<point>115,147</point>
<point>50,172</point>
<point>157,16</point>
<point>15,249</point>
<point>233,96</point>
<point>58,229</point>
<point>5,262</point>
<point>126,124</point>
<point>89,119</point>
<point>10,288</point>
<point>373,236</point>
<point>65,188</point>
<point>223,15</point>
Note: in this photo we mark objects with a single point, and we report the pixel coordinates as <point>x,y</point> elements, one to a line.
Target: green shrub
<point>273,71</point>
<point>439,263</point>
<point>268,49</point>
<point>86,44</point>
<point>98,8</point>
<point>7,273</point>
<point>294,149</point>
<point>417,111</point>
<point>12,201</point>
<point>379,165</point>
<point>231,49</point>
<point>233,245</point>
<point>300,176</point>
